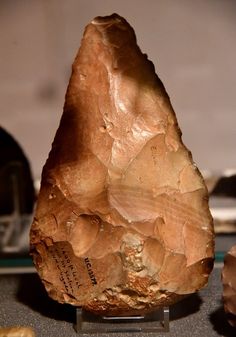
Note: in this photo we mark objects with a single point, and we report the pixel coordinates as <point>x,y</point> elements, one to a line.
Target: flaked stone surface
<point>229,285</point>
<point>122,224</point>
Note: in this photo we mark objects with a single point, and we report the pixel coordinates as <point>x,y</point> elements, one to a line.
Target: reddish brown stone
<point>122,224</point>
<point>229,285</point>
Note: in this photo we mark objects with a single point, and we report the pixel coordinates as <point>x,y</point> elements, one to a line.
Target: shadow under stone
<point>220,323</point>
<point>185,307</point>
<point>32,293</point>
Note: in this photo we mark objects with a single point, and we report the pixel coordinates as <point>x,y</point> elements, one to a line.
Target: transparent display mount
<point>155,322</point>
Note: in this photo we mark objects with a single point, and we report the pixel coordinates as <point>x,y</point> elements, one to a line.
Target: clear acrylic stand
<point>87,323</point>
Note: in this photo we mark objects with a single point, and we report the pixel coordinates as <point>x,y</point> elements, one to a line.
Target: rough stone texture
<point>229,285</point>
<point>122,223</point>
<point>17,332</point>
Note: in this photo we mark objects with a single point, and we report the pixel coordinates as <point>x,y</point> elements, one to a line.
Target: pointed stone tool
<point>122,224</point>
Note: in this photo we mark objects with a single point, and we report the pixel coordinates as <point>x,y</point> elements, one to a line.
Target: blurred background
<point>191,43</point>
